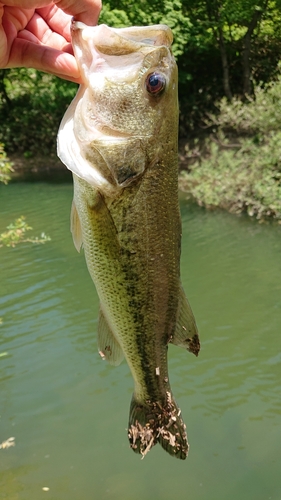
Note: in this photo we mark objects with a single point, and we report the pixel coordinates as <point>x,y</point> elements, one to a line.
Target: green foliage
<point>16,233</point>
<point>32,103</point>
<point>114,17</point>
<point>261,115</point>
<point>238,167</point>
<point>126,13</point>
<point>202,60</point>
<point>6,166</point>
<point>32,107</point>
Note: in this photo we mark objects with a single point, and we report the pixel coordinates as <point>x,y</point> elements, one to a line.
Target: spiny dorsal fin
<point>109,347</point>
<point>186,333</point>
<point>75,227</point>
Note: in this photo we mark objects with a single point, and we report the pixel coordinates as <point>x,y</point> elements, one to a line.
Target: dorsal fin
<point>109,347</point>
<point>186,333</point>
<point>75,227</point>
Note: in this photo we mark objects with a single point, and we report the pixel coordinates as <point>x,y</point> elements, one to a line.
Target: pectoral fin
<point>75,227</point>
<point>186,333</point>
<point>109,347</point>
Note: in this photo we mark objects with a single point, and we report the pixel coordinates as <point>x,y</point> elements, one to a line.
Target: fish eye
<point>155,83</point>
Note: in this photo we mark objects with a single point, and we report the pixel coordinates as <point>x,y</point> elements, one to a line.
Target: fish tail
<point>152,423</point>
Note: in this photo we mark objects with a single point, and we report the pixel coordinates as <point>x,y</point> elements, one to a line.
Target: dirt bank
<point>38,168</point>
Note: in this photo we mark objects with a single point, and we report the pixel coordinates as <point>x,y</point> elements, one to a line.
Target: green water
<point>68,410</point>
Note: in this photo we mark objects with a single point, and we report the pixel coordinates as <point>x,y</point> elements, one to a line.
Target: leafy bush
<point>238,166</point>
<point>261,115</point>
<point>16,233</point>
<point>5,166</point>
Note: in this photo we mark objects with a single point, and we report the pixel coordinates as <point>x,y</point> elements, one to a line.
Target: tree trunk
<point>225,67</point>
<point>248,87</point>
<point>213,9</point>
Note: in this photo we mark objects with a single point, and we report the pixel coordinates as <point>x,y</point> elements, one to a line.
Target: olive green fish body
<point>126,214</point>
<point>125,262</point>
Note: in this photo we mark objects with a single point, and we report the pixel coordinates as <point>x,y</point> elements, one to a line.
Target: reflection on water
<point>68,410</point>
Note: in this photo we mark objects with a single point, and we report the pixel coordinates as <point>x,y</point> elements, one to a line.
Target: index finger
<point>86,11</point>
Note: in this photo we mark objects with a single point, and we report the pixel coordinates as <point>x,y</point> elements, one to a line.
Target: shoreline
<point>38,168</point>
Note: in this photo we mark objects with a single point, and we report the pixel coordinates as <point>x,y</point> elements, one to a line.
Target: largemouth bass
<point>120,139</point>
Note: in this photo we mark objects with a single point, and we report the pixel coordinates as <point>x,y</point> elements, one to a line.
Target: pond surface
<point>68,410</point>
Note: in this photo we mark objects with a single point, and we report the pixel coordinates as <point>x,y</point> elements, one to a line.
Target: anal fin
<point>109,347</point>
<point>186,333</point>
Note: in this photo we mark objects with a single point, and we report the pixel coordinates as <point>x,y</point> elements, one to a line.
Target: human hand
<point>36,34</point>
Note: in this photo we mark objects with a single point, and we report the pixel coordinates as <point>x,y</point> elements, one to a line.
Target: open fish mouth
<point>118,41</point>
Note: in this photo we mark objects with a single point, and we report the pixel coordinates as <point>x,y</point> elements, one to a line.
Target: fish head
<point>127,100</point>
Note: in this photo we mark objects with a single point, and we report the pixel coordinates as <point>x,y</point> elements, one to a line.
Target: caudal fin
<point>152,423</point>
